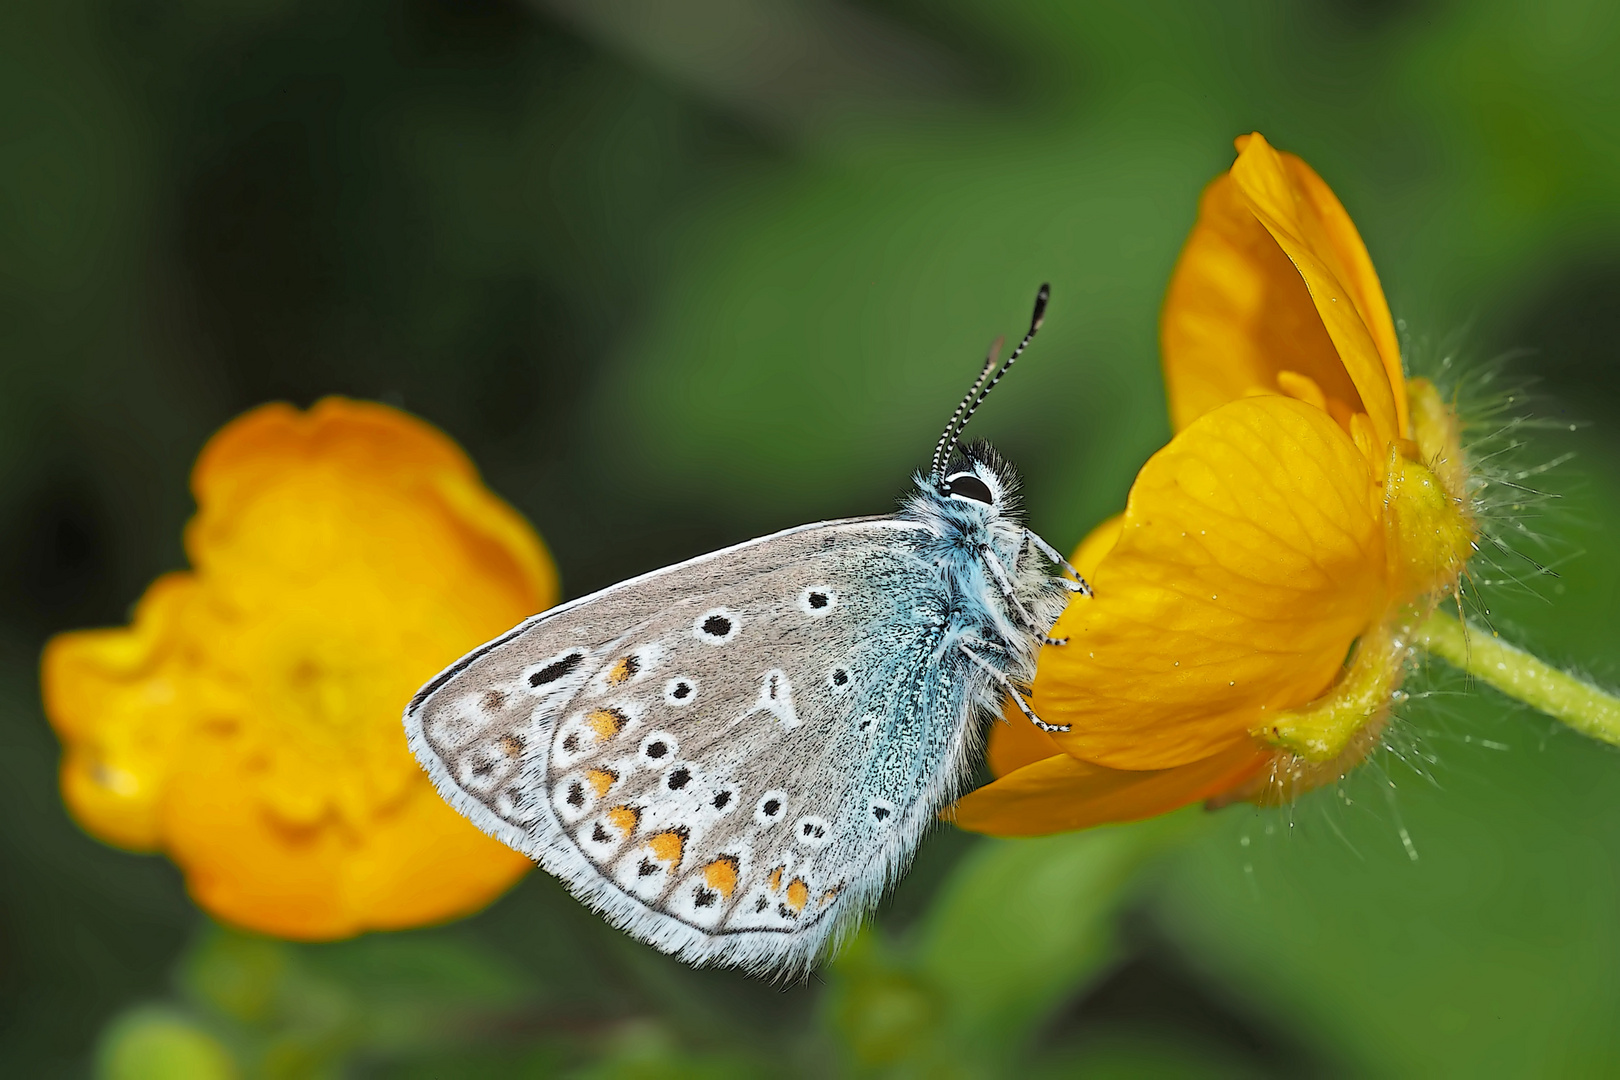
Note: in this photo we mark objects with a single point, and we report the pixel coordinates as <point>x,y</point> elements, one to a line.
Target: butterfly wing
<point>730,758</point>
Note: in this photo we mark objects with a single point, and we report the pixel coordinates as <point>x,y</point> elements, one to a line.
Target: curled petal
<point>1250,558</point>
<point>1060,793</point>
<point>1274,279</point>
<point>1311,226</point>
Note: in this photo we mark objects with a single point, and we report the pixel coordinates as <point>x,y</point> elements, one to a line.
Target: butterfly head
<point>977,479</point>
<point>976,495</point>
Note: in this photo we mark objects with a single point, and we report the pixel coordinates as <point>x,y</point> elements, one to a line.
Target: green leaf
<point>1023,924</point>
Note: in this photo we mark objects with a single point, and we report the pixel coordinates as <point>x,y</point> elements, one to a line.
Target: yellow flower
<point>248,721</point>
<point>1255,602</point>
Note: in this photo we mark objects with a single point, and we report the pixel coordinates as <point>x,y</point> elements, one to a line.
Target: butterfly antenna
<point>980,392</point>
<point>938,462</point>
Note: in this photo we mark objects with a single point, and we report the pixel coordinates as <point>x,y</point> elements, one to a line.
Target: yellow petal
<point>115,698</point>
<point>342,556</point>
<point>1242,308</point>
<point>419,862</point>
<point>1098,543</point>
<point>1250,558</point>
<point>1016,742</point>
<point>1307,221</point>
<point>1346,255</point>
<point>1061,793</point>
<point>1237,314</point>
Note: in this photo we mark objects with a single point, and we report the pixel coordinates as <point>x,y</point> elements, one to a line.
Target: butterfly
<point>732,758</point>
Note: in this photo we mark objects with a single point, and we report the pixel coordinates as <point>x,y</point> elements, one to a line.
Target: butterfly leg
<point>1006,684</point>
<point>1078,585</point>
<point>998,572</point>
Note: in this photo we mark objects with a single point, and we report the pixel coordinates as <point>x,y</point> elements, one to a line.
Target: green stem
<point>1521,676</point>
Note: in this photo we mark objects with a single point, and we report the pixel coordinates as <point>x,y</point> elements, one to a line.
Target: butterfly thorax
<point>962,534</point>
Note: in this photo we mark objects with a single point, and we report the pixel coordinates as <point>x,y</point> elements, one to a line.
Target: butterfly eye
<point>966,485</point>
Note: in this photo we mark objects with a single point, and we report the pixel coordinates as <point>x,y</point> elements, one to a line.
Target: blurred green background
<point>680,273</point>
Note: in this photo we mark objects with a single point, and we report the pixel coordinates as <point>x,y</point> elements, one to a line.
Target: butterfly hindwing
<point>729,757</point>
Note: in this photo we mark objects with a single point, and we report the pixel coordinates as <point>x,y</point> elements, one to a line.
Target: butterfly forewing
<point>729,756</point>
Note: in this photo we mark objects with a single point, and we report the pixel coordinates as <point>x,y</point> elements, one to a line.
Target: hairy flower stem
<point>1519,675</point>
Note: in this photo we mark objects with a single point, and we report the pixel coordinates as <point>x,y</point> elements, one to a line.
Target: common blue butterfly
<point>732,758</point>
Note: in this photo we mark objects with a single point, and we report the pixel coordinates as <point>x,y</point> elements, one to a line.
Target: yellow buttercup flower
<point>1256,602</point>
<point>247,722</point>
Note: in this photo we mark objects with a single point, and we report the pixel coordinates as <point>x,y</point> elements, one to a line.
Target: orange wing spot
<point>606,722</point>
<point>624,818</point>
<point>623,670</point>
<point>511,745</point>
<point>830,893</point>
<point>721,875</point>
<point>667,847</point>
<point>798,894</point>
<point>775,880</point>
<point>600,780</point>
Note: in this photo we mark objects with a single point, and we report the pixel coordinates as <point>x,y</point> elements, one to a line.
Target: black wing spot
<point>647,868</point>
<point>600,835</point>
<point>483,768</point>
<point>721,800</point>
<point>571,742</point>
<point>657,750</point>
<point>775,684</point>
<point>866,724</point>
<point>880,812</point>
<point>576,794</point>
<point>682,691</point>
<point>772,807</point>
<point>679,777</point>
<point>705,897</point>
<point>818,600</point>
<point>840,676</point>
<point>717,626</point>
<point>555,670</point>
<point>786,912</point>
<point>761,904</point>
<point>811,829</point>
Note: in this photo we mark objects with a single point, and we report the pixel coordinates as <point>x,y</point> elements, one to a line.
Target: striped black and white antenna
<point>981,389</point>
